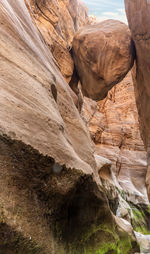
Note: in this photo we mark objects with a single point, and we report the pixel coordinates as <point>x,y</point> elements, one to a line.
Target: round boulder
<point>103,54</point>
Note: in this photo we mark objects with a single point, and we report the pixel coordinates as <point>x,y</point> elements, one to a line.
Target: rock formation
<point>56,194</point>
<point>114,128</point>
<point>138,12</point>
<point>57,22</point>
<point>104,51</point>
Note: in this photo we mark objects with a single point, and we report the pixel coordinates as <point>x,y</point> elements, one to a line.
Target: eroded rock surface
<point>114,127</point>
<point>36,83</point>
<point>51,196</point>
<point>138,12</point>
<point>103,55</point>
<point>58,21</point>
<point>56,195</point>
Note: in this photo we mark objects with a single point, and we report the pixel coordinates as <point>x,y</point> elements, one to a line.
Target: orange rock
<point>138,13</point>
<point>57,22</point>
<point>114,127</point>
<point>36,95</point>
<point>103,55</point>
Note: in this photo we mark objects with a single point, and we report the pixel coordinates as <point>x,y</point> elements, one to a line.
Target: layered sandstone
<point>38,114</point>
<point>58,21</point>
<point>103,55</point>
<point>56,194</point>
<point>41,88</point>
<point>114,127</point>
<point>51,196</point>
<point>138,12</point>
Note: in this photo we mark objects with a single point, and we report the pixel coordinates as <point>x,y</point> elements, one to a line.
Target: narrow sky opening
<point>107,9</point>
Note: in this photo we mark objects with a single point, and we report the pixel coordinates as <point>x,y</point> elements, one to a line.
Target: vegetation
<point>141,215</point>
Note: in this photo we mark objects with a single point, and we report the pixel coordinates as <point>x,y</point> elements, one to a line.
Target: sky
<point>107,9</point>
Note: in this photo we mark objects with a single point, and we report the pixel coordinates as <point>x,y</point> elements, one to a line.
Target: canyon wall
<point>138,12</point>
<point>114,127</point>
<point>58,21</point>
<point>59,193</point>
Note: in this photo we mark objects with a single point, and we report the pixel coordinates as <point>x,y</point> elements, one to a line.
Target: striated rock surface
<point>52,199</point>
<point>56,194</point>
<point>40,134</point>
<point>103,55</point>
<point>138,12</point>
<point>114,128</point>
<point>34,94</point>
<point>57,22</point>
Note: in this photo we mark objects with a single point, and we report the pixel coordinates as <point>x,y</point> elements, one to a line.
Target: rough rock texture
<point>52,199</point>
<point>114,128</point>
<point>103,55</point>
<point>138,12</point>
<point>58,21</point>
<point>56,195</point>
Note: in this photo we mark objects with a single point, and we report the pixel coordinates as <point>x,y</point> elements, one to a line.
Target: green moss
<point>102,228</point>
<point>148,209</point>
<point>103,249</point>
<point>124,245</point>
<point>139,220</point>
<point>102,240</point>
<point>121,246</point>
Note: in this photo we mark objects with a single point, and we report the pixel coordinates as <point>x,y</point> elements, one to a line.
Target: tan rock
<point>144,242</point>
<point>124,225</point>
<point>138,13</point>
<point>33,88</point>
<point>79,13</point>
<point>50,190</point>
<point>45,147</point>
<point>57,22</point>
<point>49,182</point>
<point>114,127</point>
<point>103,55</point>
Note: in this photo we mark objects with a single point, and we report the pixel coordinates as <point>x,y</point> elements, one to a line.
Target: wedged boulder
<point>34,94</point>
<point>138,13</point>
<point>39,115</point>
<point>103,54</point>
<point>51,200</point>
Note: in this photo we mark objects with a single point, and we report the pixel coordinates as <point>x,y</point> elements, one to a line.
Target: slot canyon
<point>74,129</point>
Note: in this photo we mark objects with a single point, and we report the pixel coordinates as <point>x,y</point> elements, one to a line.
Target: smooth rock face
<point>56,195</point>
<point>57,22</point>
<point>31,76</point>
<point>114,128</point>
<point>138,13</point>
<point>50,190</point>
<point>144,242</point>
<point>35,114</point>
<point>103,55</point>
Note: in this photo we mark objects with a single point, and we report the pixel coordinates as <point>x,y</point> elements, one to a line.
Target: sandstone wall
<point>114,127</point>
<point>58,21</point>
<point>138,12</point>
<point>54,193</point>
